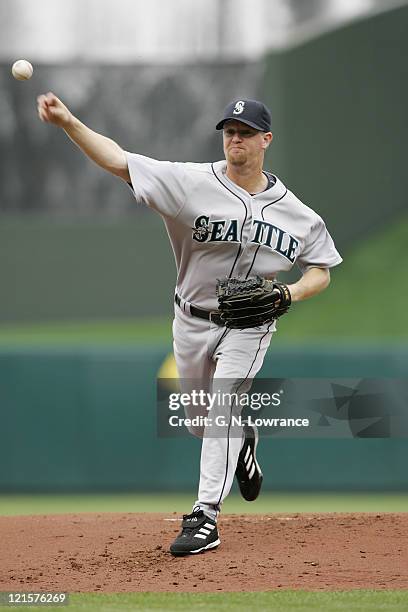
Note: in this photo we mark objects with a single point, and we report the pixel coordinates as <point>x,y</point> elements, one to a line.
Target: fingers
<point>45,102</point>
<point>51,99</point>
<point>48,97</point>
<point>42,108</point>
<point>52,110</point>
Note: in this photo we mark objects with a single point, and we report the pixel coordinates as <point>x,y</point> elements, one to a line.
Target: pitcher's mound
<point>129,552</point>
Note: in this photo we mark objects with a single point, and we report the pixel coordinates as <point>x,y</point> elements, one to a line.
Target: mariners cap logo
<point>239,107</point>
<point>251,112</point>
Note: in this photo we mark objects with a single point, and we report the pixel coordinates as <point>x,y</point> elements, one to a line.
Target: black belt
<point>209,315</point>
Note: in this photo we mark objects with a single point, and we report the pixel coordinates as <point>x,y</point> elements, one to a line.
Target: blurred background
<point>85,326</point>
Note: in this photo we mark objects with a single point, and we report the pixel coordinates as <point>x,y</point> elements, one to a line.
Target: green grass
<point>267,503</point>
<point>352,309</point>
<point>280,601</point>
<point>353,305</point>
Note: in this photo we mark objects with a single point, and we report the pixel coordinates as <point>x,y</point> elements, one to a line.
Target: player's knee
<point>196,431</point>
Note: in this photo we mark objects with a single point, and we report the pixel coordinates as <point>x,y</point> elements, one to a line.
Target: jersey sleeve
<point>157,184</point>
<point>319,250</point>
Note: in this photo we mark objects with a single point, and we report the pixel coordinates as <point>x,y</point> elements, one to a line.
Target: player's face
<point>243,143</point>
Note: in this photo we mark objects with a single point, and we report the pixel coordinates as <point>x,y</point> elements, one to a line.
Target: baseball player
<point>226,220</point>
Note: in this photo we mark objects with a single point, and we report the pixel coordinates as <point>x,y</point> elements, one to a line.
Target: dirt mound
<point>129,552</point>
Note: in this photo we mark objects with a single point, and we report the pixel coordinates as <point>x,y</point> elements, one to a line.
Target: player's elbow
<point>119,166</point>
<point>320,279</point>
<point>325,277</point>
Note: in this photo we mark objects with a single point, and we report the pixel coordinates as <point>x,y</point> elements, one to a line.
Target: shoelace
<point>191,526</point>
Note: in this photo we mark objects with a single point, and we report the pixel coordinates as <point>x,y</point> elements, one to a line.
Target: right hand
<point>52,110</point>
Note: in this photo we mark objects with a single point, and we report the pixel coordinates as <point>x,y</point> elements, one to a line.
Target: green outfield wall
<point>54,269</point>
<point>85,420</point>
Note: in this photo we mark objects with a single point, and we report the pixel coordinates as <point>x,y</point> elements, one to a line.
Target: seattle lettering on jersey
<point>215,231</point>
<point>275,238</point>
<point>264,234</point>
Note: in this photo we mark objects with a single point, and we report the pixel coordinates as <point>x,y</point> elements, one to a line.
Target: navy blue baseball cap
<point>251,112</point>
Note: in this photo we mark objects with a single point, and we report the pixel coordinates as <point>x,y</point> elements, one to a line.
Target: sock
<point>208,509</point>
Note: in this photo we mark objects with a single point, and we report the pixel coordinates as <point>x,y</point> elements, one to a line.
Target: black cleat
<point>248,472</point>
<point>198,533</point>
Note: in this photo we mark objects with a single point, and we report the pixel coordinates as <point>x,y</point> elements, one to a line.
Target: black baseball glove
<point>251,302</point>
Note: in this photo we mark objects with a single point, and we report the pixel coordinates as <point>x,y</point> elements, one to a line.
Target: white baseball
<point>22,70</point>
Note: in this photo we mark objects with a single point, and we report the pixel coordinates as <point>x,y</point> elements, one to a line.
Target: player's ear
<point>267,139</point>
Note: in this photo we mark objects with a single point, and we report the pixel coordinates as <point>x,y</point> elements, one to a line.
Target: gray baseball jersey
<point>217,229</point>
